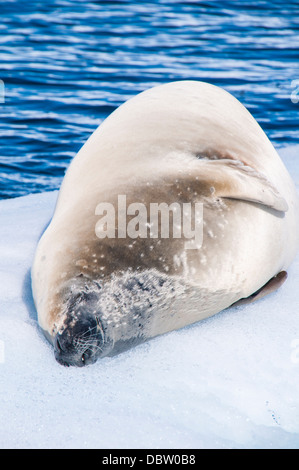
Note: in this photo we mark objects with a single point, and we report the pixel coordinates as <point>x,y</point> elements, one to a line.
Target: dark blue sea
<point>66,65</point>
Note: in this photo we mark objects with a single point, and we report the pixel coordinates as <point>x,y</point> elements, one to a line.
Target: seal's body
<point>184,142</point>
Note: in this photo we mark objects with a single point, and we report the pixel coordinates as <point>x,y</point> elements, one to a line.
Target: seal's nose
<point>77,344</point>
<point>62,348</point>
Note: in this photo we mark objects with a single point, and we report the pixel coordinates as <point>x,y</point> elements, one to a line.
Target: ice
<point>231,381</point>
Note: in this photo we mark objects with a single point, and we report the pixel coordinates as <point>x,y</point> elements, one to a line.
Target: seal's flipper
<point>232,179</point>
<point>268,288</point>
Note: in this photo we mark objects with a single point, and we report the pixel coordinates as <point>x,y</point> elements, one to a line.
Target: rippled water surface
<point>66,65</point>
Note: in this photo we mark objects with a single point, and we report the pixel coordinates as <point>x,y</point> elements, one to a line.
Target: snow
<point>231,381</point>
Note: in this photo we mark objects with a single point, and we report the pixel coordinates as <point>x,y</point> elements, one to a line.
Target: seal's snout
<point>79,344</point>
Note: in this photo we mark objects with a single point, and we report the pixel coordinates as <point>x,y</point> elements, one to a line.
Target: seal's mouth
<point>80,343</point>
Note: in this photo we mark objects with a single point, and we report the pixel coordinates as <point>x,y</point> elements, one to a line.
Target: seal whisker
<point>92,347</point>
<point>83,345</point>
<point>89,333</point>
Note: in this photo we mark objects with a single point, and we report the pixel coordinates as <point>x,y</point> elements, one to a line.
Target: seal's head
<point>79,344</point>
<point>80,340</point>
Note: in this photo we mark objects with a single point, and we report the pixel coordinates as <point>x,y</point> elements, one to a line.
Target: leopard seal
<point>182,142</point>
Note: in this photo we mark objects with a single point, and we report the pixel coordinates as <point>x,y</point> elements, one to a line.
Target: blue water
<point>67,64</point>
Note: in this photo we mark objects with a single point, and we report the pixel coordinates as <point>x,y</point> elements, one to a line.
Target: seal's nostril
<point>86,356</point>
<point>83,358</point>
<point>58,345</point>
